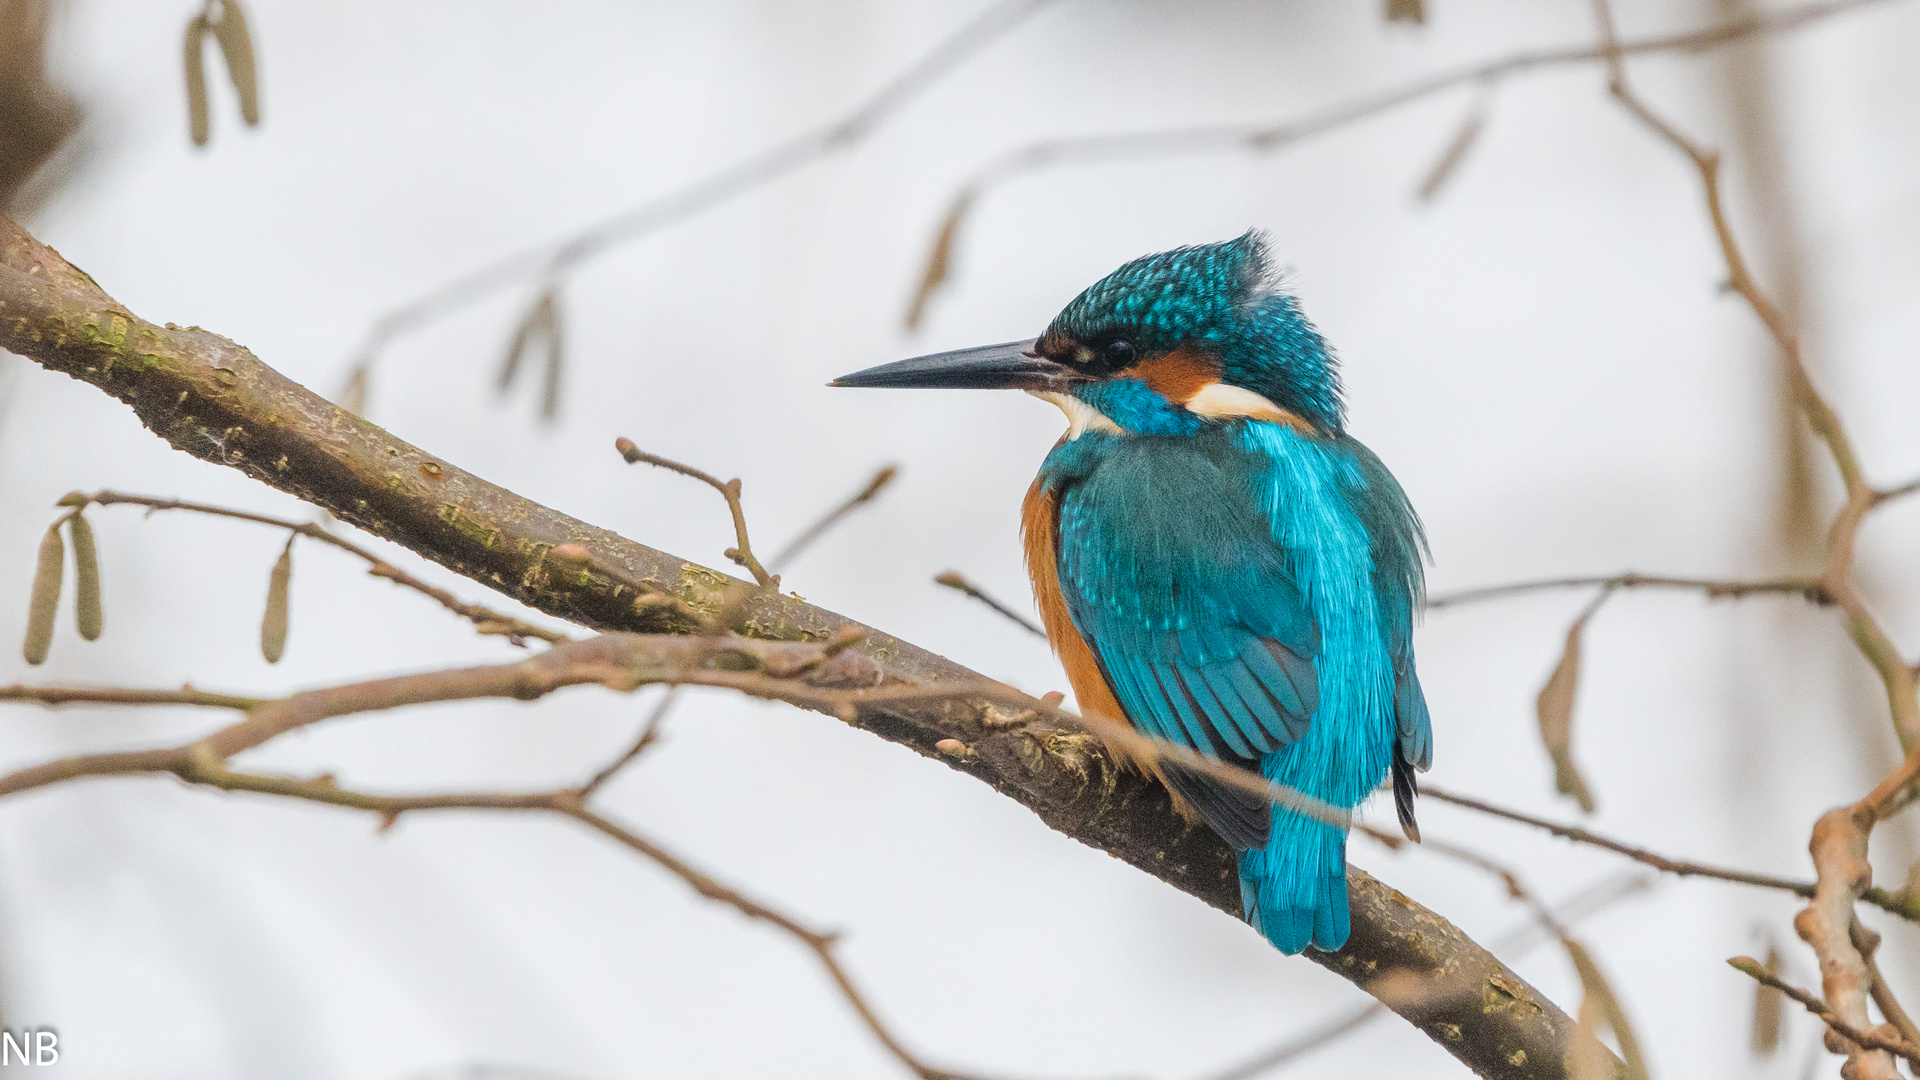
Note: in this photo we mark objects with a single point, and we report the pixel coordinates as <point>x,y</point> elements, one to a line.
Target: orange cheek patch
<point>1178,375</point>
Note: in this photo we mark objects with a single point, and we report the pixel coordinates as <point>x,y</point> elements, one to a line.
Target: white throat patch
<point>1081,417</point>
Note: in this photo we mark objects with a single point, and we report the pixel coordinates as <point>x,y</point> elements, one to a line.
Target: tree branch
<point>1808,588</point>
<point>556,257</point>
<point>1757,971</point>
<point>1907,907</point>
<point>484,619</point>
<point>1839,841</point>
<point>213,399</point>
<point>1268,137</point>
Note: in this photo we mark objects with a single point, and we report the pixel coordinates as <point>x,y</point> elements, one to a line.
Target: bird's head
<point>1164,345</point>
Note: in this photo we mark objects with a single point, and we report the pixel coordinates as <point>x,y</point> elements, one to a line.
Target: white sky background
<point>1542,357</point>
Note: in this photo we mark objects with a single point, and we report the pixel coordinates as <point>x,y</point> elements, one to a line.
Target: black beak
<point>1013,366</point>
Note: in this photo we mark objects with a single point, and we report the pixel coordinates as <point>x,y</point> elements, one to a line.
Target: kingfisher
<point>1217,562</point>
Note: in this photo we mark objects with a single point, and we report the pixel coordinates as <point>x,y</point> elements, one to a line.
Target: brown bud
<point>273,625</point>
<point>86,579</point>
<point>44,601</point>
<point>844,638</point>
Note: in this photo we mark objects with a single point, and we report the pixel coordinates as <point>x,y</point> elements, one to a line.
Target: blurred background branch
<point>36,116</point>
<point>554,259</point>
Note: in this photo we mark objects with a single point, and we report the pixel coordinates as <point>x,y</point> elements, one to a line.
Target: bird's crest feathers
<point>1218,305</point>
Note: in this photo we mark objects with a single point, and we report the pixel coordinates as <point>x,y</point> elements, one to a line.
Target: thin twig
<point>728,489</point>
<point>1839,842</point>
<point>571,804</point>
<point>1905,907</point>
<point>952,580</point>
<point>1896,492</point>
<point>1757,971</point>
<point>812,676</point>
<point>649,734</point>
<point>553,258</point>
<point>833,517</point>
<point>484,619</point>
<point>95,695</point>
<point>1806,587</point>
<point>1867,940</point>
<point>1268,137</point>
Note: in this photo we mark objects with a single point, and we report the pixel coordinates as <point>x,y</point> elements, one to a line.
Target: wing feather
<point>1174,578</point>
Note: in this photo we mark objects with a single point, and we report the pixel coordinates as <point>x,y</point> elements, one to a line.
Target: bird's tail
<point>1295,890</point>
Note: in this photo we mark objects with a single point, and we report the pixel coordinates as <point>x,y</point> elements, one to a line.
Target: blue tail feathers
<point>1295,890</point>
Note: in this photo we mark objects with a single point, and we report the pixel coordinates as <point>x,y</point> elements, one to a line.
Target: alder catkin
<point>87,615</point>
<point>1769,1005</point>
<point>556,358</point>
<point>44,603</point>
<point>939,260</point>
<point>196,66</point>
<point>236,47</point>
<point>517,348</point>
<point>273,625</point>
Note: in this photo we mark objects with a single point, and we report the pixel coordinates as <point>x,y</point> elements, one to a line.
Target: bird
<point>1217,562</point>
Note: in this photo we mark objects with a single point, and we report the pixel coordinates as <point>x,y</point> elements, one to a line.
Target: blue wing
<point>1172,572</point>
<point>1175,579</point>
<point>1399,553</point>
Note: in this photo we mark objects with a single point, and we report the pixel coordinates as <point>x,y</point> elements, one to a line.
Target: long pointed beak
<point>1013,366</point>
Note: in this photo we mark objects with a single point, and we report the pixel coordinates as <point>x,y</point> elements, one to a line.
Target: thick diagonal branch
<point>211,398</point>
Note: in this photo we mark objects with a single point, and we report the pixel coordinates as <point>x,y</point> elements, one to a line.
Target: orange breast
<point>1040,530</point>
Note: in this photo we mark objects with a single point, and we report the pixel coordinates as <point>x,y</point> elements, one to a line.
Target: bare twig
<point>952,580</point>
<point>1905,907</point>
<point>1867,940</point>
<point>649,734</point>
<point>1757,971</point>
<point>1805,587</point>
<point>728,489</point>
<point>553,259</point>
<point>1266,138</point>
<point>1839,843</point>
<point>484,619</point>
<point>618,661</point>
<point>1896,492</point>
<point>87,695</point>
<point>833,517</point>
<point>212,772</point>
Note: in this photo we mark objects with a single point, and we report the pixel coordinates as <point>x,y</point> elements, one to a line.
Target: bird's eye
<point>1119,353</point>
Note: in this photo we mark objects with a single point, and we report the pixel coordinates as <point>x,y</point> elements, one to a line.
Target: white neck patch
<point>1081,417</point>
<point>1219,401</point>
